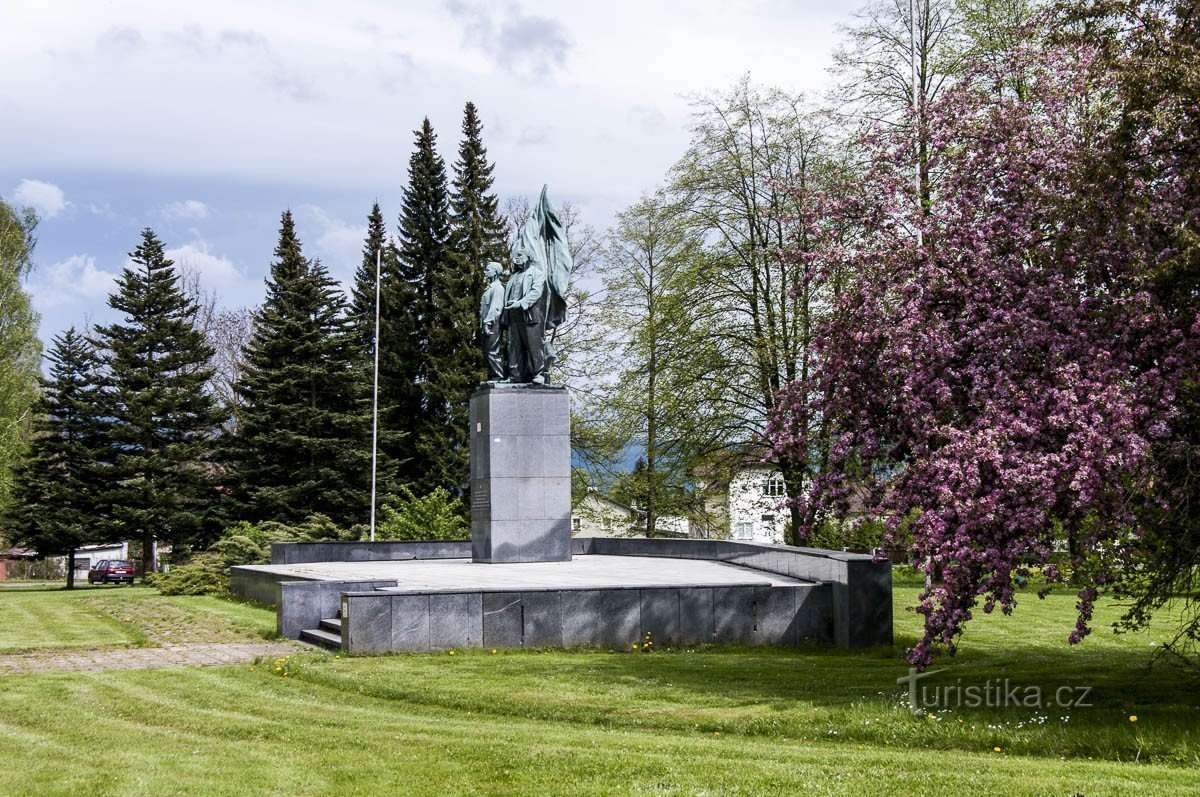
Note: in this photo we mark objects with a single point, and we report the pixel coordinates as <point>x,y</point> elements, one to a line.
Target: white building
<point>597,515</point>
<point>89,555</point>
<point>750,508</point>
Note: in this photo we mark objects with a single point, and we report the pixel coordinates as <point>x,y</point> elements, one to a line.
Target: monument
<point>522,580</point>
<point>520,423</point>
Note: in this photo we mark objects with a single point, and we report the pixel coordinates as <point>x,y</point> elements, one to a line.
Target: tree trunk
<point>149,554</point>
<point>71,569</point>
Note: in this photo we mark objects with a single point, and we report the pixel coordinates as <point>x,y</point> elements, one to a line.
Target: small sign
<point>479,426</point>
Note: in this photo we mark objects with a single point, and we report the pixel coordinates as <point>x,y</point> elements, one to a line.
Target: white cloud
<point>216,274</point>
<point>525,44</point>
<point>187,209</point>
<point>72,280</point>
<point>338,244</point>
<point>45,198</point>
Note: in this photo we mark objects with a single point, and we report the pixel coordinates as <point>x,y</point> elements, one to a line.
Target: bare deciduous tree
<point>227,331</point>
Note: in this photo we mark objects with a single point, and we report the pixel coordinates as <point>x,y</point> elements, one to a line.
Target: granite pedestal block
<point>520,474</point>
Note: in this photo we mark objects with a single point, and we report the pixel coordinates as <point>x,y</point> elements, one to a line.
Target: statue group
<point>532,305</point>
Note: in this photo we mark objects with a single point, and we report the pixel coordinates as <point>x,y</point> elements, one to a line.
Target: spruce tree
<point>477,231</point>
<point>300,446</point>
<point>477,235</point>
<point>410,316</point>
<point>392,432</point>
<point>160,419</point>
<point>60,483</point>
<point>362,294</point>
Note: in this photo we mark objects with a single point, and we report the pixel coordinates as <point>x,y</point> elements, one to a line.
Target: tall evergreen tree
<point>299,449</point>
<point>160,420</point>
<point>477,229</point>
<point>59,485</point>
<point>392,432</point>
<point>362,294</point>
<point>410,316</point>
<point>477,235</point>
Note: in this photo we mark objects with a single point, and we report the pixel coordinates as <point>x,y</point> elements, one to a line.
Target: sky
<point>204,121</point>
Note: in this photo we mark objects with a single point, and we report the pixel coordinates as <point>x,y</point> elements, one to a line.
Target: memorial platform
<point>420,596</point>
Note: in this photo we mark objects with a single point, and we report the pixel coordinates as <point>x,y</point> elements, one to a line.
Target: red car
<point>110,571</point>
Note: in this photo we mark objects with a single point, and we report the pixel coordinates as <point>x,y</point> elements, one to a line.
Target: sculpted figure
<point>535,303</point>
<point>491,306</point>
<point>525,299</point>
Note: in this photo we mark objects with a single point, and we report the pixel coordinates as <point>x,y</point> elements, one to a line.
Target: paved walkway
<point>190,655</point>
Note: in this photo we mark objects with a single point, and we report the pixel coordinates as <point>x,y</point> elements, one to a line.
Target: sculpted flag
<point>558,260</point>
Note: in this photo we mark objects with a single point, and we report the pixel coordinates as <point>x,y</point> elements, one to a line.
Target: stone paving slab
<point>215,654</point>
<point>591,572</point>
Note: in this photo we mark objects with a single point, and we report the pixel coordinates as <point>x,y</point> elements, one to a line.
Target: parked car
<point>111,571</point>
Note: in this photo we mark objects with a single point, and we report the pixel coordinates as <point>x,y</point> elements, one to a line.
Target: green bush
<point>243,543</point>
<point>205,574</point>
<point>861,534</point>
<point>436,516</point>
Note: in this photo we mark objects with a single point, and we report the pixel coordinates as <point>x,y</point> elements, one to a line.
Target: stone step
<point>333,625</point>
<point>321,638</point>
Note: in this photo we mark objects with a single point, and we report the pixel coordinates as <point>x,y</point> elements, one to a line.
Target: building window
<point>774,487</point>
<point>768,519</point>
<point>744,531</point>
<point>608,524</point>
<point>576,524</point>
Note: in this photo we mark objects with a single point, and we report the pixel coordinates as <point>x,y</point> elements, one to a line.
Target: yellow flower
<point>452,653</point>
<point>997,749</point>
<point>1133,717</point>
<point>493,651</point>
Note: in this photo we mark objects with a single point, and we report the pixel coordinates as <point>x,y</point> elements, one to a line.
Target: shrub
<point>243,543</point>
<point>436,516</point>
<point>862,534</point>
<point>205,574</point>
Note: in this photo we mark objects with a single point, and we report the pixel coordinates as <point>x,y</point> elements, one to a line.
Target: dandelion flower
<point>1133,717</point>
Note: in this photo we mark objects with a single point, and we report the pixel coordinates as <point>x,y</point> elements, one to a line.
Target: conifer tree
<point>362,294</point>
<point>160,420</point>
<point>60,483</point>
<point>300,445</point>
<point>477,230</point>
<point>477,235</point>
<point>392,432</point>
<point>410,315</point>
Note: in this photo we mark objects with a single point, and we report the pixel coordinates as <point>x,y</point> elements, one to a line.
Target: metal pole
<point>916,99</point>
<point>375,396</point>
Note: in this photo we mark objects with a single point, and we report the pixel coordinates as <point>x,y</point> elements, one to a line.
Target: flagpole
<point>916,103</point>
<point>375,396</point>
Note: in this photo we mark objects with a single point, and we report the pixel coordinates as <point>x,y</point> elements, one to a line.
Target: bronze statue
<point>491,306</point>
<point>535,303</point>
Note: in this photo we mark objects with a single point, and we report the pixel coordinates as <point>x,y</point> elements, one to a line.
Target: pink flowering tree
<point>995,391</point>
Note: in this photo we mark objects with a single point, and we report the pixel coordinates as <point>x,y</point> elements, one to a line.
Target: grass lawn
<point>93,617</point>
<point>726,721</point>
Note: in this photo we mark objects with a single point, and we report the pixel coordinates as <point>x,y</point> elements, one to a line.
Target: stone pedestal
<point>520,473</point>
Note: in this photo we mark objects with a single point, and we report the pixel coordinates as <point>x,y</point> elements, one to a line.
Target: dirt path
<point>201,654</point>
